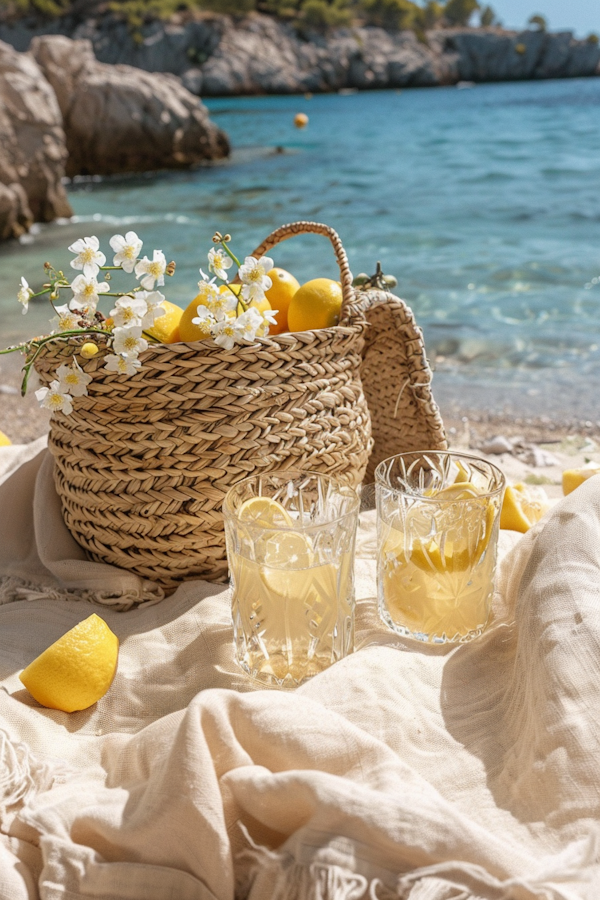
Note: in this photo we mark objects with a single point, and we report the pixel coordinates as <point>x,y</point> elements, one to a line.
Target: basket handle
<point>288,231</point>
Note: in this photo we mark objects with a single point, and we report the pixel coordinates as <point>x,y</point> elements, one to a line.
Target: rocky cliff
<point>218,55</point>
<point>33,149</point>
<point>63,112</point>
<point>120,119</point>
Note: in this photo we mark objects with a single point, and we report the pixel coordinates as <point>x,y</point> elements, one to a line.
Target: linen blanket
<point>404,771</point>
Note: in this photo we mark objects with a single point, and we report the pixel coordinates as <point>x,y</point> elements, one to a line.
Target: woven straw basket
<point>142,463</point>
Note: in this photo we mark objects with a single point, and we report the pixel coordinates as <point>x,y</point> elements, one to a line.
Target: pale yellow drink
<point>290,624</point>
<point>436,561</point>
<point>290,562</point>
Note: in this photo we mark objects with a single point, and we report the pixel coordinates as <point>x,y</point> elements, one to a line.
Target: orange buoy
<point>300,120</point>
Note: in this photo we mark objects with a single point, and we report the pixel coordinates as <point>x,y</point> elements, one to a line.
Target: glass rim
<point>353,495</point>
<point>456,453</point>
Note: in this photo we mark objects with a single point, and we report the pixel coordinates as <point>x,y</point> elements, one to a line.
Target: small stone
<point>497,445</point>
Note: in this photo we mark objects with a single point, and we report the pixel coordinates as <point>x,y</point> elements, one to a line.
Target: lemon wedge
<point>573,478</point>
<point>264,512</point>
<point>440,543</point>
<point>77,669</point>
<point>522,507</point>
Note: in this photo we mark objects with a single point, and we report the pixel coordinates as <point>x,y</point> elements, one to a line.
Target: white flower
<point>129,311</point>
<point>224,333</point>
<point>218,261</point>
<point>270,315</point>
<point>224,304</point>
<point>53,398</point>
<point>64,320</point>
<point>129,341</point>
<point>86,291</point>
<point>123,365</point>
<point>127,249</point>
<point>155,309</point>
<point>208,290</point>
<point>254,278</point>
<point>89,258</point>
<point>24,295</point>
<point>152,270</point>
<point>73,380</point>
<point>204,320</point>
<point>248,324</point>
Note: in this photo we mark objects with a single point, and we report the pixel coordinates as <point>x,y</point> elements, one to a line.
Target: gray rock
<point>33,149</point>
<point>121,119</point>
<point>497,445</point>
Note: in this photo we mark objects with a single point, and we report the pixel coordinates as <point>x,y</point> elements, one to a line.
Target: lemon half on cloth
<point>522,507</point>
<point>77,669</point>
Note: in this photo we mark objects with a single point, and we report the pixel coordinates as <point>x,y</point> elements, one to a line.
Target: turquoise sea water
<point>484,203</point>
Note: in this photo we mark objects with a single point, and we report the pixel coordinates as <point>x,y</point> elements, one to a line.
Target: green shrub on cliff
<point>320,14</point>
<point>459,12</point>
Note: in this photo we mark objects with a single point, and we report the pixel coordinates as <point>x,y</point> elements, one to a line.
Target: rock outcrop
<point>121,119</point>
<point>33,149</point>
<point>217,55</point>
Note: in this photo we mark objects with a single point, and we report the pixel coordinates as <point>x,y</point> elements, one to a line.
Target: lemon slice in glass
<point>77,669</point>
<point>264,512</point>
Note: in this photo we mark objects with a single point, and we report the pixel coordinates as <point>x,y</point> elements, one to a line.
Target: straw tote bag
<point>142,463</point>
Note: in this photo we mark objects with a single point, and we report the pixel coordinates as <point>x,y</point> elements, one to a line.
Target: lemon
<point>287,556</point>
<point>280,296</point>
<point>316,304</point>
<point>4,440</point>
<point>573,478</point>
<point>77,669</point>
<point>166,328</point>
<point>522,507</point>
<point>265,512</point>
<point>453,549</point>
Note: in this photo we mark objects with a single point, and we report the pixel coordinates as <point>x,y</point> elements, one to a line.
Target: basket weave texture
<point>142,463</point>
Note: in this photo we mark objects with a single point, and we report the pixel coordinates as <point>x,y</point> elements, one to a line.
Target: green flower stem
<point>230,254</point>
<point>40,344</point>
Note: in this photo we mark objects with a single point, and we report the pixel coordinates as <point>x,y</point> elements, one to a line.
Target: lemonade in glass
<point>290,546</point>
<point>438,516</point>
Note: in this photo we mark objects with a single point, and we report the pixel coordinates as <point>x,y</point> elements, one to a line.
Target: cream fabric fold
<point>402,773</point>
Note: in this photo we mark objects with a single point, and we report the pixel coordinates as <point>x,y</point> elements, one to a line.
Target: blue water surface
<point>484,203</point>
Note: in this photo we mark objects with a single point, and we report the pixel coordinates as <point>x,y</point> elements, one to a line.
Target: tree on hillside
<point>395,14</point>
<point>459,12</point>
<point>539,21</point>
<point>487,17</point>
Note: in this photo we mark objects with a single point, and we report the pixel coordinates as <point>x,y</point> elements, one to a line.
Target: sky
<point>580,16</point>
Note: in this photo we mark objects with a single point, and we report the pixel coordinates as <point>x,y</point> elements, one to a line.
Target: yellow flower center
<point>89,290</point>
<point>87,255</point>
<point>155,269</point>
<point>130,343</point>
<point>72,378</point>
<point>255,274</point>
<point>55,401</point>
<point>129,251</point>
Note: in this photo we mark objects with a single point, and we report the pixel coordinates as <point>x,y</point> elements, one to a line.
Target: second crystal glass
<point>438,516</point>
<point>290,547</point>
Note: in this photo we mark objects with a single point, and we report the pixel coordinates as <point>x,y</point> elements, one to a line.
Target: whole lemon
<point>166,328</point>
<point>77,669</point>
<point>280,296</point>
<point>188,331</point>
<point>317,304</point>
